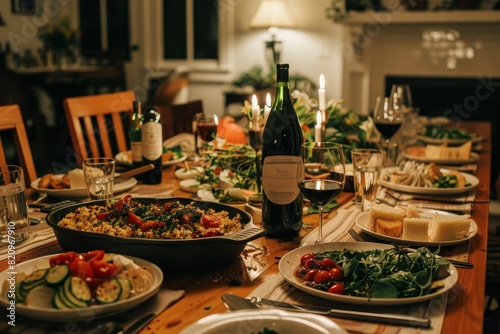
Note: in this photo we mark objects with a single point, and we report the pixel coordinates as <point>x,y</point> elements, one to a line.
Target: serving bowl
<point>207,251</point>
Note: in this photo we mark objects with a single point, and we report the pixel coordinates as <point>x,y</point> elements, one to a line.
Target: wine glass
<point>401,98</point>
<point>321,175</point>
<point>388,120</point>
<point>206,127</point>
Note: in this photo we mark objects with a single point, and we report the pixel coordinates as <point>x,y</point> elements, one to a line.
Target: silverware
<point>461,264</point>
<point>139,324</point>
<point>234,302</point>
<point>128,174</point>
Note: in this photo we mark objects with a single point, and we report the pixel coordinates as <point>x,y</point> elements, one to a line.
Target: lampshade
<point>271,13</point>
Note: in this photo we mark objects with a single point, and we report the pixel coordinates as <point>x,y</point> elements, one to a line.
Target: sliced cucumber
<point>40,297</point>
<point>57,274</point>
<point>64,300</point>
<point>58,301</point>
<point>77,291</point>
<point>33,280</point>
<point>108,292</point>
<point>126,286</point>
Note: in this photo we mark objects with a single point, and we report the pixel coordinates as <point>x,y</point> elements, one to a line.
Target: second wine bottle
<point>152,144</point>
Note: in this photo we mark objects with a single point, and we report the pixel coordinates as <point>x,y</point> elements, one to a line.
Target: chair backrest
<point>11,119</point>
<point>178,118</point>
<point>172,89</point>
<point>97,123</point>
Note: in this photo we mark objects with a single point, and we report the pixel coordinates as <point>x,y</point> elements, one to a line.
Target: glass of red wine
<point>206,128</point>
<point>388,120</point>
<point>321,175</point>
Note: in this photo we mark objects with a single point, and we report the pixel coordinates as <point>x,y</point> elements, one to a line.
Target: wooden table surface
<point>204,288</point>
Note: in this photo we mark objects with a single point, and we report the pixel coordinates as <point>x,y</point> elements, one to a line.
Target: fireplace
<point>458,99</point>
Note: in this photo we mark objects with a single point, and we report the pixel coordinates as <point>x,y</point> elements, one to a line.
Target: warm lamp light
<point>272,14</point>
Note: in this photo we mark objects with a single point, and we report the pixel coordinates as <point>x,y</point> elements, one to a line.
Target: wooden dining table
<point>204,286</point>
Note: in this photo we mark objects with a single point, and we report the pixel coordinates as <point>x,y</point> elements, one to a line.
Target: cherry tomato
<point>63,258</point>
<point>149,225</point>
<point>93,255</point>
<point>327,263</point>
<point>322,277</point>
<point>305,257</point>
<point>311,264</point>
<point>337,288</point>
<point>217,170</point>
<point>336,273</point>
<point>82,269</point>
<point>134,219</point>
<point>167,207</point>
<point>301,272</point>
<point>186,218</point>
<point>102,215</point>
<point>310,275</point>
<point>120,204</point>
<point>103,269</point>
<point>210,221</point>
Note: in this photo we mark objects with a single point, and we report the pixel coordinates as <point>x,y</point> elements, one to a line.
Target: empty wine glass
<point>401,98</point>
<point>321,175</point>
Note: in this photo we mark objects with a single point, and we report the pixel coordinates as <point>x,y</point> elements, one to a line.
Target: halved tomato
<point>63,258</point>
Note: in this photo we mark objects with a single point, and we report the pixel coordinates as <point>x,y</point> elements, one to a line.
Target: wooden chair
<point>11,119</point>
<point>178,118</point>
<point>97,123</point>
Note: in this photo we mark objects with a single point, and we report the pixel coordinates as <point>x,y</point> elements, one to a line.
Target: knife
<point>128,174</point>
<point>235,303</point>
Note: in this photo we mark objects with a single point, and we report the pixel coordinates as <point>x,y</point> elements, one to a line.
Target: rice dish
<point>170,220</point>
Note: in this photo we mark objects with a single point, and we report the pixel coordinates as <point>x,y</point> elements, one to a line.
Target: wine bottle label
<point>152,147</point>
<point>136,148</point>
<point>279,178</point>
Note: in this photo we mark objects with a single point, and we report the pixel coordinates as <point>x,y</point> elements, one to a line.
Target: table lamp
<point>272,15</point>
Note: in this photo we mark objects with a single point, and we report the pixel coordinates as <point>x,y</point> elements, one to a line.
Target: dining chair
<point>178,118</point>
<point>97,123</point>
<point>11,120</point>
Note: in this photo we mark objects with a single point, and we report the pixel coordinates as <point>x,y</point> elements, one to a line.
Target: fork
<point>355,235</point>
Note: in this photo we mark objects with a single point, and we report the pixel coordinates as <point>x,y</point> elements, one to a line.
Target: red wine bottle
<point>281,142</point>
<point>152,145</point>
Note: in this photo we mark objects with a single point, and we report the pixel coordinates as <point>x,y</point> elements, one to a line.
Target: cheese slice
<point>448,153</point>
<point>449,228</point>
<point>76,178</point>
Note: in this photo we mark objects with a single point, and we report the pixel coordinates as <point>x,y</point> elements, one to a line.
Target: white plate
<point>122,186</point>
<point>95,311</point>
<point>254,321</point>
<point>471,179</point>
<point>122,158</point>
<point>191,173</point>
<point>473,158</point>
<point>189,185</point>
<point>291,261</point>
<point>362,222</point>
<point>451,142</point>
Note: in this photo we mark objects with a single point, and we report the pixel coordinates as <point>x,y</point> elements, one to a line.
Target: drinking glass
<point>321,175</point>
<point>99,176</point>
<point>14,225</point>
<point>401,98</point>
<point>206,128</point>
<point>367,164</point>
<point>387,120</point>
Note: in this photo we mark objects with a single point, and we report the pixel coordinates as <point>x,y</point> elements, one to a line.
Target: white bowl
<point>191,173</point>
<point>255,212</point>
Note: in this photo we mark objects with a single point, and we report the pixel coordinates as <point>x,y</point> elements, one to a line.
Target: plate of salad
<point>170,156</point>
<point>363,273</point>
<point>436,134</point>
<point>76,286</point>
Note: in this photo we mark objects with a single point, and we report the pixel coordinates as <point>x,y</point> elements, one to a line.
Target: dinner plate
<point>363,219</point>
<point>123,159</point>
<point>257,321</point>
<point>451,142</point>
<point>473,158</point>
<point>291,261</point>
<point>190,185</point>
<point>119,187</point>
<point>470,179</point>
<point>94,311</point>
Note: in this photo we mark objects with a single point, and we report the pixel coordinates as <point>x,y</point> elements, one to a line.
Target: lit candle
<point>317,127</point>
<point>255,112</point>
<point>267,107</point>
<point>321,93</point>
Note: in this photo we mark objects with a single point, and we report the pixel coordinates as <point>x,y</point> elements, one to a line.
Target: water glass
<point>367,164</point>
<point>99,176</point>
<point>14,224</point>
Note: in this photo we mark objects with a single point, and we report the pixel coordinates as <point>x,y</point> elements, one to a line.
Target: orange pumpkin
<point>231,131</point>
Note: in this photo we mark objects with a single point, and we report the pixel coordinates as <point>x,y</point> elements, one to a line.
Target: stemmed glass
<point>401,98</point>
<point>388,120</point>
<point>206,127</point>
<point>321,175</point>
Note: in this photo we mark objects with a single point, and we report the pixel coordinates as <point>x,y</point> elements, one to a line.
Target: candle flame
<point>322,81</point>
<point>268,99</point>
<point>254,100</point>
<point>216,120</point>
<point>319,118</point>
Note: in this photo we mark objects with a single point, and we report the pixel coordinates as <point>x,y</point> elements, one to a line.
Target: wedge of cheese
<point>386,213</point>
<point>77,178</point>
<point>416,229</point>
<point>448,153</point>
<point>449,228</point>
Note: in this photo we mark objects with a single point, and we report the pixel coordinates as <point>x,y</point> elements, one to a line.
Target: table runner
<point>336,229</point>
